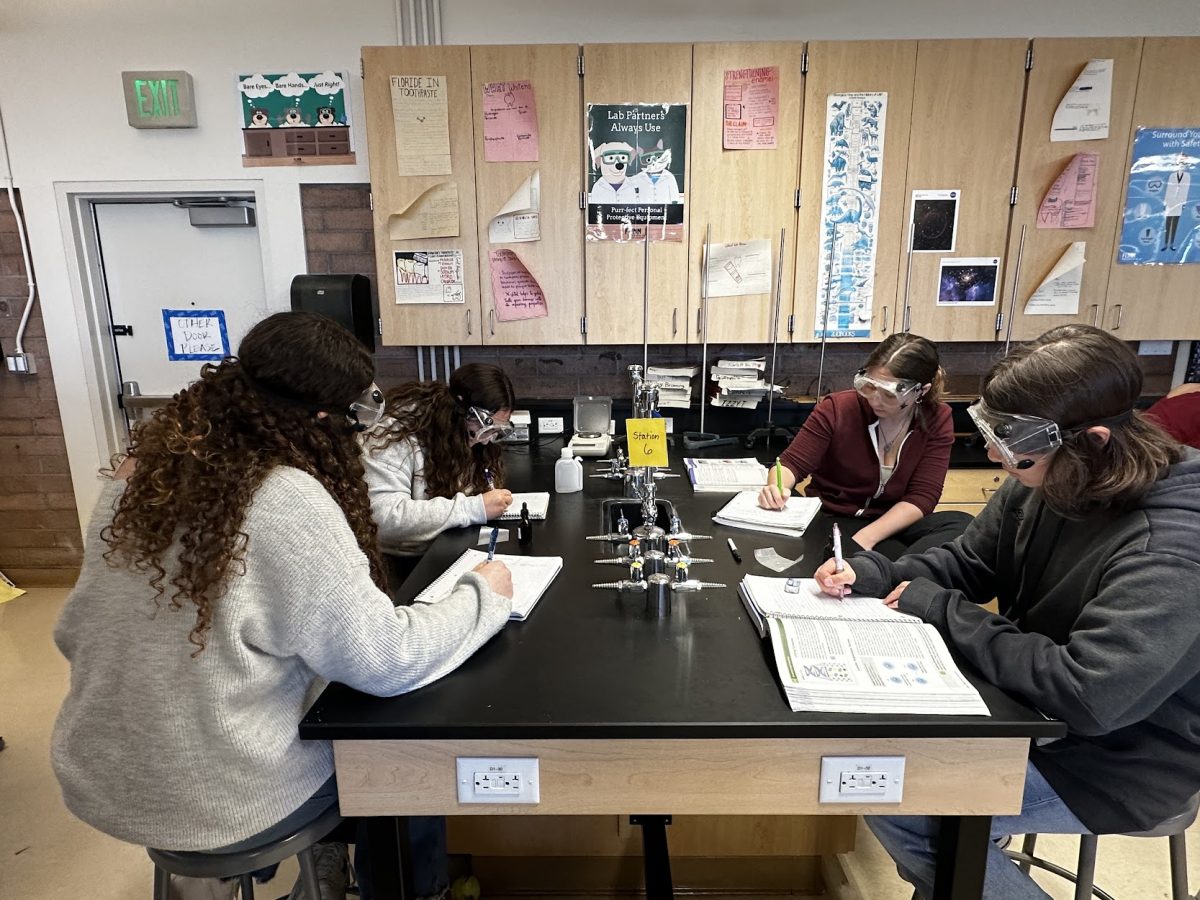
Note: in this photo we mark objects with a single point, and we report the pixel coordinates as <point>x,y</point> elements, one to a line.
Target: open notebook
<point>538,504</point>
<point>743,511</point>
<point>531,576</point>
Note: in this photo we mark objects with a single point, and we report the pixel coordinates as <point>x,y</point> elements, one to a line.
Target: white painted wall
<point>60,95</point>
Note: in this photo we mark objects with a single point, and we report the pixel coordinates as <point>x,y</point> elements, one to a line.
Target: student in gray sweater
<point>228,578</point>
<point>1090,548</point>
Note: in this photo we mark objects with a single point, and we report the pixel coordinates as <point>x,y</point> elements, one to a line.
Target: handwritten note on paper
<point>739,269</point>
<point>1058,294</point>
<point>1082,114</point>
<point>519,219</point>
<point>422,123</point>
<point>751,100</point>
<point>647,442</point>
<point>434,213</point>
<point>515,292</point>
<point>196,334</point>
<point>429,276</point>
<point>1071,200</point>
<point>510,128</point>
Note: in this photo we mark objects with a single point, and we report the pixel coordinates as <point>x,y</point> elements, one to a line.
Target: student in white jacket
<point>432,463</point>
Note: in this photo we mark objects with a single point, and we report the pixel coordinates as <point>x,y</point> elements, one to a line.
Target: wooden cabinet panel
<point>743,194</point>
<point>556,260</point>
<point>614,271</point>
<point>1057,62</point>
<point>423,323</point>
<point>841,67</point>
<point>1158,302</point>
<point>965,125</point>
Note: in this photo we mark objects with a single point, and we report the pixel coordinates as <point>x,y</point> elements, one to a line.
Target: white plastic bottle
<point>568,473</point>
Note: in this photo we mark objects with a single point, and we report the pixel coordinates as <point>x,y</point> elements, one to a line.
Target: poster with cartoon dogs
<point>303,103</point>
<point>637,161</point>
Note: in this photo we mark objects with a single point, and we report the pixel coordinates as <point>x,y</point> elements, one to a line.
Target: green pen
<point>779,474</point>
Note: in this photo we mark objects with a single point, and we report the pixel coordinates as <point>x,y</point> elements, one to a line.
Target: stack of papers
<point>725,476</point>
<point>856,655</point>
<point>531,575</point>
<point>674,385</point>
<point>740,383</point>
<point>743,511</point>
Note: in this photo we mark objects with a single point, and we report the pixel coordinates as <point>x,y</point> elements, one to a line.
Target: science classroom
<point>458,450</point>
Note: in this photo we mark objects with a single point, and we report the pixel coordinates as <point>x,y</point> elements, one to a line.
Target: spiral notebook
<point>531,575</point>
<point>538,504</point>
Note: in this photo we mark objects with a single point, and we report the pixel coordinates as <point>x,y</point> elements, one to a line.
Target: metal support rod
<point>907,277</point>
<point>433,376</point>
<point>704,313</point>
<point>1012,302</point>
<point>446,362</point>
<point>775,334</point>
<point>828,292</point>
<point>420,364</point>
<point>646,299</point>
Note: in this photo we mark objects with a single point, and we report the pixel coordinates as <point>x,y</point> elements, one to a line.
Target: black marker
<point>737,557</point>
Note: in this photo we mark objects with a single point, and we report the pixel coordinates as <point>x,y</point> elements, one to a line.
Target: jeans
<point>912,842</point>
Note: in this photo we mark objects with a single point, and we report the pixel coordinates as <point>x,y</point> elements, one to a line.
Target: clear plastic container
<point>568,473</point>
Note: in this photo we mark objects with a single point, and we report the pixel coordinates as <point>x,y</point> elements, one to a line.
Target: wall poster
<point>638,160</point>
<point>297,118</point>
<point>1161,224</point>
<point>429,276</point>
<point>852,179</point>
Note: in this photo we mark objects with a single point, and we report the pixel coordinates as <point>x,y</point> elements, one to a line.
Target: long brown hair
<point>1078,376</point>
<point>910,357</point>
<point>434,414</point>
<point>201,457</point>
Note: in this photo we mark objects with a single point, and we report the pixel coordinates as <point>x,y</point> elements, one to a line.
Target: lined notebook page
<point>531,575</point>
<point>538,504</point>
<point>770,598</point>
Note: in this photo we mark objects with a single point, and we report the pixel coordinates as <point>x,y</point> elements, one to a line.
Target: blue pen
<point>491,482</point>
<point>492,543</point>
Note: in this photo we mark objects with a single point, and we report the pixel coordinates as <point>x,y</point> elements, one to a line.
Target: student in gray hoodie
<point>1090,548</point>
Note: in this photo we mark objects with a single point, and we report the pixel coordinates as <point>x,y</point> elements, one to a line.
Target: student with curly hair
<point>1090,548</point>
<point>433,464</point>
<point>230,575</point>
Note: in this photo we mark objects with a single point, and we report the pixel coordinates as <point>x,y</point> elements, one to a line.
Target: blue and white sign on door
<point>196,334</point>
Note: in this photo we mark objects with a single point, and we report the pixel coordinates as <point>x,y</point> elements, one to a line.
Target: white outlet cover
<point>833,768</point>
<point>1155,348</point>
<point>466,768</point>
<point>550,425</point>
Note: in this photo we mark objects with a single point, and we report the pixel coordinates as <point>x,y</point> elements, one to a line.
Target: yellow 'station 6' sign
<point>647,442</point>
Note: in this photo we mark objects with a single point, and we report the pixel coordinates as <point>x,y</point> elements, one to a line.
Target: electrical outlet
<point>550,425</point>
<point>670,424</point>
<point>497,780</point>
<point>862,779</point>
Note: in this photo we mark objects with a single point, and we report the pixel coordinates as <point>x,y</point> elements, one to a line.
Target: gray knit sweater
<point>158,748</point>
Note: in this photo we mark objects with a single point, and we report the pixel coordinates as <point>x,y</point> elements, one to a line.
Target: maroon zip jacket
<point>835,447</point>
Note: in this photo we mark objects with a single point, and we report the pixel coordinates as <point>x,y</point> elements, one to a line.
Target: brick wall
<point>337,229</point>
<point>40,543</point>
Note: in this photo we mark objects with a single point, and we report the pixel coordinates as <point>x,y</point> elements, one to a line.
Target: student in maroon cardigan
<point>878,454</point>
<point>1179,414</point>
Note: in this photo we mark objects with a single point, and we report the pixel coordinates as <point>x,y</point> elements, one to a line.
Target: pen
<point>737,557</point>
<point>492,543</point>
<point>491,482</point>
<point>778,474</point>
<point>837,548</point>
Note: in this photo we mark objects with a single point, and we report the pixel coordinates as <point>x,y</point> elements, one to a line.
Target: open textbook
<point>531,575</point>
<point>743,511</point>
<point>855,655</point>
<point>725,476</point>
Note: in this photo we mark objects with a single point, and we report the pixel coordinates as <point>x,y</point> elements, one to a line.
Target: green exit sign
<point>159,99</point>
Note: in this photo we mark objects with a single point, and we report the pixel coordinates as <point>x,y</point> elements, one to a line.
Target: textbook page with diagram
<point>855,655</point>
<point>531,575</point>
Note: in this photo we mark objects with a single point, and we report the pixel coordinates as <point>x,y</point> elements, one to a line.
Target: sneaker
<point>333,873</point>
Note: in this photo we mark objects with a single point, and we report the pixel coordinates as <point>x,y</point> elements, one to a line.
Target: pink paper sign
<point>751,108</point>
<point>510,129</point>
<point>515,292</point>
<point>1071,200</point>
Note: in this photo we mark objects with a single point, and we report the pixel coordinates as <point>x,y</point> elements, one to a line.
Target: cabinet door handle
<point>699,313</point>
<point>907,316</point>
<point>883,320</point>
<point>492,321</point>
<point>675,321</point>
<point>468,323</point>
<point>1095,307</point>
<point>1120,315</point>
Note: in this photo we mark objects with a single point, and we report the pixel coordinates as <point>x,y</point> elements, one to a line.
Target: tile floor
<point>45,854</point>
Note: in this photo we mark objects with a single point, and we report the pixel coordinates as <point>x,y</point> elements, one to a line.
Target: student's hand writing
<point>498,577</point>
<point>496,502</point>
<point>832,582</point>
<point>770,497</point>
<point>893,599</point>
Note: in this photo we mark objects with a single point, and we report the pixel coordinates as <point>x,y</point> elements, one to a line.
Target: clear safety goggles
<point>1014,435</point>
<point>886,390</point>
<point>484,428</point>
<point>611,157</point>
<point>365,412</point>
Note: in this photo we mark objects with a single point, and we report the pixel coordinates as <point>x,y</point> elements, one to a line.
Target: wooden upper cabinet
<point>743,195</point>
<point>615,271</point>
<point>1158,302</point>
<point>556,260</point>
<point>422,323</point>
<point>965,126</point>
<point>837,67</point>
<point>1057,62</point>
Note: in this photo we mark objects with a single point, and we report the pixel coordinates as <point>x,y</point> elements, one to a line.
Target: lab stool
<point>1085,870</point>
<point>239,864</point>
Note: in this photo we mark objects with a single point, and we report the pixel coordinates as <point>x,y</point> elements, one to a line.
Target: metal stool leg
<point>162,884</point>
<point>1179,885</point>
<point>1027,847</point>
<point>247,886</point>
<point>1085,870</point>
<point>308,874</point>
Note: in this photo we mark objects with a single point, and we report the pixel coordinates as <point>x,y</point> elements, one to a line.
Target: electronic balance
<point>593,424</point>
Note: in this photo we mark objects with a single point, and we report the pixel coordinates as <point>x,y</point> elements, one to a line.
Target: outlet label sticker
<point>647,442</point>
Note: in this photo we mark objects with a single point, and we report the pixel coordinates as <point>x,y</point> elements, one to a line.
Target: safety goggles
<point>1012,435</point>
<point>365,412</point>
<point>889,391</point>
<point>483,428</point>
<point>614,156</point>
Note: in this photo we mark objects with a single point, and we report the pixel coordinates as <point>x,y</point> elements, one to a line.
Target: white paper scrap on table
<point>1082,114</point>
<point>519,218</point>
<point>1058,294</point>
<point>485,536</point>
<point>771,558</point>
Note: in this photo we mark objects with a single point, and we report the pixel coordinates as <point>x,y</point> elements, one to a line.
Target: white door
<point>154,259</point>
